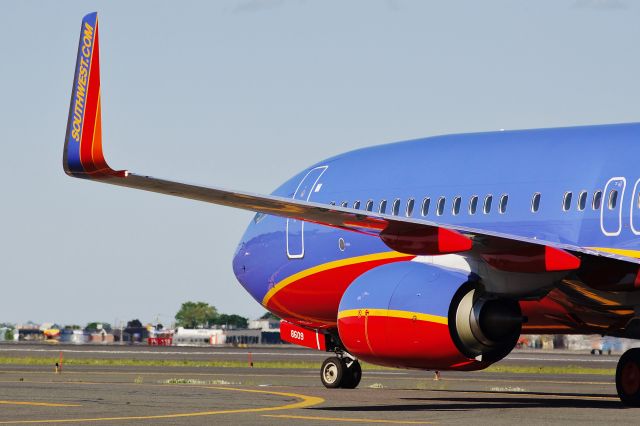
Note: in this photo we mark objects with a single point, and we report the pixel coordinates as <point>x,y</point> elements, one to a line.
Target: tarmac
<point>242,396</point>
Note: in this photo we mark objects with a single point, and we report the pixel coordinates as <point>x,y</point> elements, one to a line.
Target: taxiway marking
<point>305,401</point>
<point>309,374</point>
<point>38,404</point>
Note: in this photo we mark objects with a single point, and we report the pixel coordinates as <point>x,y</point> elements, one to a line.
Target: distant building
<point>216,336</point>
<point>77,337</point>
<point>269,330</point>
<point>198,337</point>
<point>29,332</point>
<point>135,332</point>
<point>101,336</point>
<point>241,337</point>
<point>270,324</point>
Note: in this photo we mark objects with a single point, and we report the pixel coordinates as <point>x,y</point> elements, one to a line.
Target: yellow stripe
<point>621,252</point>
<point>349,419</point>
<point>330,265</point>
<point>38,404</point>
<point>393,313</point>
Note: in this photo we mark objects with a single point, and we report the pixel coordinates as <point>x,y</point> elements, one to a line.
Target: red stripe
<point>91,107</point>
<point>315,298</point>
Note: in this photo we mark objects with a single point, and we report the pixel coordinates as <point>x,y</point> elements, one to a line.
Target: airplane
<point>431,254</point>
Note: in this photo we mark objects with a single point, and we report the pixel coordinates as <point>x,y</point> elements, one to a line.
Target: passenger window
<point>383,207</point>
<point>425,206</point>
<point>455,209</point>
<point>409,211</point>
<point>344,204</point>
<point>440,206</point>
<point>369,206</point>
<point>333,203</point>
<point>535,202</point>
<point>473,204</point>
<point>356,204</point>
<point>566,202</point>
<point>487,204</point>
<point>597,200</point>
<point>502,208</point>
<point>582,200</point>
<point>613,199</point>
<point>395,209</point>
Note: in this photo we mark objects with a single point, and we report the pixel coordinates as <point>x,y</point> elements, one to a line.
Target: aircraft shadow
<point>490,402</point>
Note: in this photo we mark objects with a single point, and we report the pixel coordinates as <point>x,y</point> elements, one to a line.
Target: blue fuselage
<point>597,160</point>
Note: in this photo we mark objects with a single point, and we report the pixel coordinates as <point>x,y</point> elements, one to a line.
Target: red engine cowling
<point>416,315</point>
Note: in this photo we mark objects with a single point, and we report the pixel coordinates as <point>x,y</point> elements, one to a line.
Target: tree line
<point>203,315</point>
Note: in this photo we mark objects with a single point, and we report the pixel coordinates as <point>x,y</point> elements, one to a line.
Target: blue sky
<point>243,94</point>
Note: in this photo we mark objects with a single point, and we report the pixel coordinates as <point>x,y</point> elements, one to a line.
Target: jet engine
<point>416,315</point>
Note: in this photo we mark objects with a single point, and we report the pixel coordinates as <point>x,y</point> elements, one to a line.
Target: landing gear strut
<point>628,378</point>
<point>341,372</point>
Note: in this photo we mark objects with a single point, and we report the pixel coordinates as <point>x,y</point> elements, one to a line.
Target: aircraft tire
<point>352,375</point>
<point>628,378</point>
<point>332,372</point>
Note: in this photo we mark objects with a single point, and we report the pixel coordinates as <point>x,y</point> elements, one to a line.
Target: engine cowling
<point>416,315</point>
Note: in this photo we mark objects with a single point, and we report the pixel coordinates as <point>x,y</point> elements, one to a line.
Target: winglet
<point>83,155</point>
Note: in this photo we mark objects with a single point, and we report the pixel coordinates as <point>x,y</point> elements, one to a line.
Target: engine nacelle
<point>415,315</point>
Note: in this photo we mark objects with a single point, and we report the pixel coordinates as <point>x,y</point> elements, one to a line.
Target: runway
<point>192,395</point>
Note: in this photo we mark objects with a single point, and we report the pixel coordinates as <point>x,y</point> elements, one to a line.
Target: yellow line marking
<point>393,313</point>
<point>305,401</point>
<point>330,265</point>
<point>621,252</point>
<point>38,404</point>
<point>349,419</point>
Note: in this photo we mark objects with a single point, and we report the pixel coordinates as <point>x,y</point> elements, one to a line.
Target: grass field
<point>514,369</point>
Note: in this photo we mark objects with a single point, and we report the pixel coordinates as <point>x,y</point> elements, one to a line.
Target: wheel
<point>628,378</point>
<point>352,374</point>
<point>331,372</point>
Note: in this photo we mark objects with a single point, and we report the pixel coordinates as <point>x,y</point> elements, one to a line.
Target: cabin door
<point>295,227</point>
<point>611,206</point>
<point>634,213</point>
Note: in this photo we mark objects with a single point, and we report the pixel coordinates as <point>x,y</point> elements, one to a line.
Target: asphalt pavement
<point>199,395</point>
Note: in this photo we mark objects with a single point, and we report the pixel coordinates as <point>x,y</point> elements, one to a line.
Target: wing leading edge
<point>83,158</point>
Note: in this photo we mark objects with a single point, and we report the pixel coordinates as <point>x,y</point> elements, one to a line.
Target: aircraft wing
<point>84,158</point>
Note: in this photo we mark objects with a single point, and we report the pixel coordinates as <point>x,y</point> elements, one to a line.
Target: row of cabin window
<point>596,200</point>
<point>426,204</point>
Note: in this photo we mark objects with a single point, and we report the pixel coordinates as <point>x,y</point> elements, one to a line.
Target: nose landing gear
<point>341,372</point>
<point>628,378</point>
